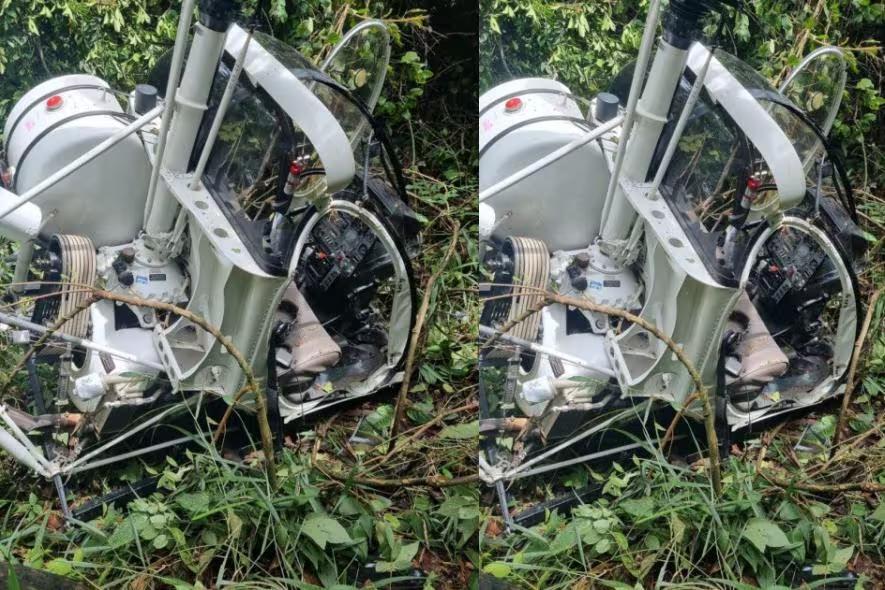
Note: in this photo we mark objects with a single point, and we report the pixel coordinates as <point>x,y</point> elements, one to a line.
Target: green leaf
<point>639,507</point>
<point>410,57</point>
<point>494,26</point>
<point>122,535</point>
<point>841,557</point>
<point>234,523</point>
<point>677,528</point>
<point>59,567</point>
<point>403,559</point>
<point>12,582</point>
<point>322,529</point>
<point>161,541</point>
<point>461,431</point>
<point>194,503</point>
<point>879,513</point>
<point>763,533</point>
<point>278,10</point>
<point>498,569</point>
<point>564,540</point>
<point>602,546</point>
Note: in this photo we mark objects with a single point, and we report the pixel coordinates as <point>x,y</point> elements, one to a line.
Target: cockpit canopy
<point>285,110</point>
<point>732,135</point>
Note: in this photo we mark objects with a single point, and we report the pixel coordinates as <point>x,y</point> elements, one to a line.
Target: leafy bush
<point>584,44</point>
<point>121,40</point>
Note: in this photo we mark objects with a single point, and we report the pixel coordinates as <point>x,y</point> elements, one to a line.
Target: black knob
<point>127,254</point>
<point>119,265</point>
<point>126,278</point>
<point>606,107</point>
<point>145,98</point>
<point>579,283</point>
<point>582,260</point>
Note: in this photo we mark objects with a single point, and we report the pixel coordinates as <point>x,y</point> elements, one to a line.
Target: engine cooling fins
<point>73,272</point>
<point>523,272</point>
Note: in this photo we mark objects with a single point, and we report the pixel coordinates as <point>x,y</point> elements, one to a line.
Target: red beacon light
<point>753,183</point>
<point>512,105</point>
<point>54,102</point>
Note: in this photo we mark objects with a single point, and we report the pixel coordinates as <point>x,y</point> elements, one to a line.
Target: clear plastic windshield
<point>359,64</point>
<point>347,113</point>
<point>803,138</point>
<point>359,61</point>
<point>714,160</point>
<point>250,166</point>
<point>816,85</point>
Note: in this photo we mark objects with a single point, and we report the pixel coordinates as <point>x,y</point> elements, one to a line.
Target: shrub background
<point>584,44</point>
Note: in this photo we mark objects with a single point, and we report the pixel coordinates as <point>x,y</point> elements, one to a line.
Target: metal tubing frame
<point>576,460</point>
<point>549,159</point>
<point>22,449</point>
<point>23,259</point>
<point>541,349</point>
<point>645,50</point>
<point>32,327</point>
<point>20,453</point>
<point>70,467</point>
<point>184,23</point>
<point>693,97</point>
<point>26,442</point>
<point>98,150</point>
<point>190,106</point>
<point>131,454</point>
<point>575,439</point>
<point>219,115</point>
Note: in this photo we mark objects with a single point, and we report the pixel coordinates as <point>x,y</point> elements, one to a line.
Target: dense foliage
<point>216,522</point>
<point>655,523</point>
<point>585,44</point>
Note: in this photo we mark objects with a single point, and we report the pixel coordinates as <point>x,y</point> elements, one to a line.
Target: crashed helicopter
<point>693,195</point>
<point>240,185</point>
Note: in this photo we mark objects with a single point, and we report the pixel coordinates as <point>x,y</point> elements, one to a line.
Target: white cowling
<point>44,133</point>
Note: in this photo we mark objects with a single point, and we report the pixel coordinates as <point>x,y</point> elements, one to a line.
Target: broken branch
<point>416,337</point>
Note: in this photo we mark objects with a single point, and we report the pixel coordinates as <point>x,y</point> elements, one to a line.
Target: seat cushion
<point>310,348</point>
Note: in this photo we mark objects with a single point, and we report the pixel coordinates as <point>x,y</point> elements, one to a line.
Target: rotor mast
<point>681,26</point>
<point>188,101</point>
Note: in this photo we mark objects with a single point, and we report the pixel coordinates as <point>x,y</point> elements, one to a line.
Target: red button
<point>53,102</point>
<point>513,105</point>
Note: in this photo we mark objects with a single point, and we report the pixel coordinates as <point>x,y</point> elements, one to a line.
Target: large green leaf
<point>498,569</point>
<point>461,431</point>
<point>403,559</point>
<point>763,533</point>
<point>323,529</point>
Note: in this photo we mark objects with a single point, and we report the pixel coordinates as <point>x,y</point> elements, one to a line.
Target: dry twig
<point>416,337</point>
<point>852,369</point>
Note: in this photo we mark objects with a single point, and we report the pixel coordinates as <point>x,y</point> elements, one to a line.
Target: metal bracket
<point>666,229</point>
